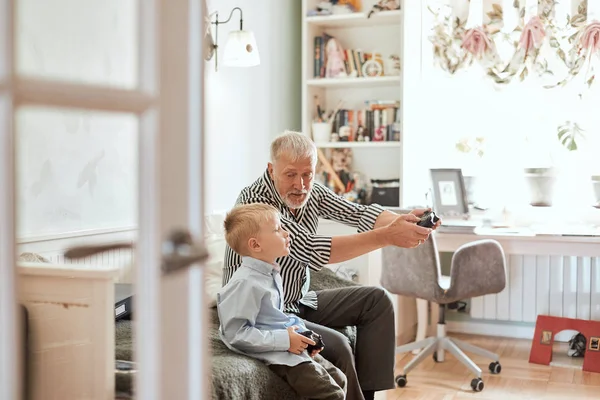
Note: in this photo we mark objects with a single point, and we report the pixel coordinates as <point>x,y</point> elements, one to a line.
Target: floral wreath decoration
<point>456,47</point>
<point>584,41</point>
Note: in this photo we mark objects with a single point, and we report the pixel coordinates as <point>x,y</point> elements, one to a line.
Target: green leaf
<point>568,134</point>
<point>573,36</point>
<point>554,42</point>
<point>590,81</point>
<point>497,8</point>
<point>562,55</point>
<point>523,74</point>
<point>577,19</point>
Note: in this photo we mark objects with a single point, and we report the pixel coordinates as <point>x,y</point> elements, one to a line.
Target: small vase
<point>596,186</point>
<point>541,182</point>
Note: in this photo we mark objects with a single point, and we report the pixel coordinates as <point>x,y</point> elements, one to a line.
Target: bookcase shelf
<point>355,145</point>
<point>362,102</point>
<point>356,19</point>
<point>354,82</point>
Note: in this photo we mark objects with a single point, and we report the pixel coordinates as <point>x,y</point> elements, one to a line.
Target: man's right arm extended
<point>401,232</point>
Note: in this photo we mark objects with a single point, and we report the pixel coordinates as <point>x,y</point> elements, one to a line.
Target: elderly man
<point>288,184</point>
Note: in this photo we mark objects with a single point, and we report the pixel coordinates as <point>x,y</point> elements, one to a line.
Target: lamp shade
<point>241,50</point>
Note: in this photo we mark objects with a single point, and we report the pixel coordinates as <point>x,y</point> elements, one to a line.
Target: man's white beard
<point>292,205</point>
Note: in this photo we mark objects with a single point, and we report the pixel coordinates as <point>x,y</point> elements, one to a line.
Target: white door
<point>167,101</point>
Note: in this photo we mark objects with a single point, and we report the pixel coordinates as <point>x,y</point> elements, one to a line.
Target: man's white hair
<point>294,145</point>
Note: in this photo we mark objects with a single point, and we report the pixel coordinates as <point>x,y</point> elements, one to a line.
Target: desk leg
<point>422,321</point>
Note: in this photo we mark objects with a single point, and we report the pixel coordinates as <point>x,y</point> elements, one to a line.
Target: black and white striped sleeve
<point>332,206</point>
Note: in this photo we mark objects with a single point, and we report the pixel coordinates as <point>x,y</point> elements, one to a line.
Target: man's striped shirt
<point>307,250</point>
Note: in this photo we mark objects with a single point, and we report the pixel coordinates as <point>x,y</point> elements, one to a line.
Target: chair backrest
<point>412,272</point>
<point>478,268</point>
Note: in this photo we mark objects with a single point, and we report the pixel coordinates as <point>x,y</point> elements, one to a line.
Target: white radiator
<point>115,258</point>
<point>53,247</point>
<point>562,286</point>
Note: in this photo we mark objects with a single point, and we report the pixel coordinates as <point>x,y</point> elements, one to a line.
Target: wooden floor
<point>519,379</point>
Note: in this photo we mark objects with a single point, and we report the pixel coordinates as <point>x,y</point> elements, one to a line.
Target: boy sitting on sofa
<point>250,307</point>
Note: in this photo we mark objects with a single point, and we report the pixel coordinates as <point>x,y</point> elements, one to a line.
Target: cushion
<point>215,243</point>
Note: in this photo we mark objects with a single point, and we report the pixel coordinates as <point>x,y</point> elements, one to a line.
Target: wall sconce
<point>240,48</point>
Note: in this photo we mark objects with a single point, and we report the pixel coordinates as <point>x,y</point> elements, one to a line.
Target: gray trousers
<point>370,309</point>
<point>317,379</point>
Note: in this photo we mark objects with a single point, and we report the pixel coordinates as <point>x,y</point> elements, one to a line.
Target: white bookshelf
<point>359,145</point>
<point>358,19</point>
<point>381,33</point>
<point>354,82</point>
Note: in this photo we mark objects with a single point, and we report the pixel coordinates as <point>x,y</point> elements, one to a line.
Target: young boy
<point>250,307</point>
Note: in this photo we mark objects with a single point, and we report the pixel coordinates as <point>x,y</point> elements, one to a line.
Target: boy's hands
<point>299,343</point>
<point>315,352</point>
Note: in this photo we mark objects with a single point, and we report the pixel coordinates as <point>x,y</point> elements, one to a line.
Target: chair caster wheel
<point>495,367</point>
<point>435,357</point>
<point>401,380</point>
<point>477,385</point>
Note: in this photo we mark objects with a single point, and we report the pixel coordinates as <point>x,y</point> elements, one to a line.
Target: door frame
<point>171,318</point>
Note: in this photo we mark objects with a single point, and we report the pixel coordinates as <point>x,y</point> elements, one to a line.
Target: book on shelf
<point>353,59</point>
<point>378,121</point>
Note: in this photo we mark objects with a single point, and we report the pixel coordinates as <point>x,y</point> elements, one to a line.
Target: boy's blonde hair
<point>244,222</point>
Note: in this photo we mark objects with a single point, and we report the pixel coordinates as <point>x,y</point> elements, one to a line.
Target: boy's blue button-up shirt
<point>252,320</point>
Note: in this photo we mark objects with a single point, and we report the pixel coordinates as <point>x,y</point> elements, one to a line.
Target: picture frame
<point>449,192</point>
<point>546,338</point>
<point>594,343</point>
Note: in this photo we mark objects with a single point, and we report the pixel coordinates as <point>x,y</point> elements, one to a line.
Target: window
<point>519,125</point>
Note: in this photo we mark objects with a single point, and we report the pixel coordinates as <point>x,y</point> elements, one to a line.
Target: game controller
<point>428,220</point>
<point>315,337</point>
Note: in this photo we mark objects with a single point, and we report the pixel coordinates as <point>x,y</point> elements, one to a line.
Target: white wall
<point>247,107</point>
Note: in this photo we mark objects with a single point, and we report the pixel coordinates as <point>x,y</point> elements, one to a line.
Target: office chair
<point>478,268</point>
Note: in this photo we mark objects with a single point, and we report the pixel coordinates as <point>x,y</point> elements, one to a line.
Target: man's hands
<point>418,212</point>
<point>299,343</point>
<point>404,232</point>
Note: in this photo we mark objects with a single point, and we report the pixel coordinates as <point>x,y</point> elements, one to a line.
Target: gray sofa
<point>234,376</point>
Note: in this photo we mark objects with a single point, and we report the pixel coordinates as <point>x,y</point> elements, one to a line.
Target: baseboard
<point>492,328</point>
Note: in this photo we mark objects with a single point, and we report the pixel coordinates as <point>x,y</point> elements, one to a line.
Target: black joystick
<point>315,337</point>
<point>428,220</point>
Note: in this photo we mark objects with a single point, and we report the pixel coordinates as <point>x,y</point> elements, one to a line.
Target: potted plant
<point>541,182</point>
<point>569,134</point>
<point>473,148</point>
